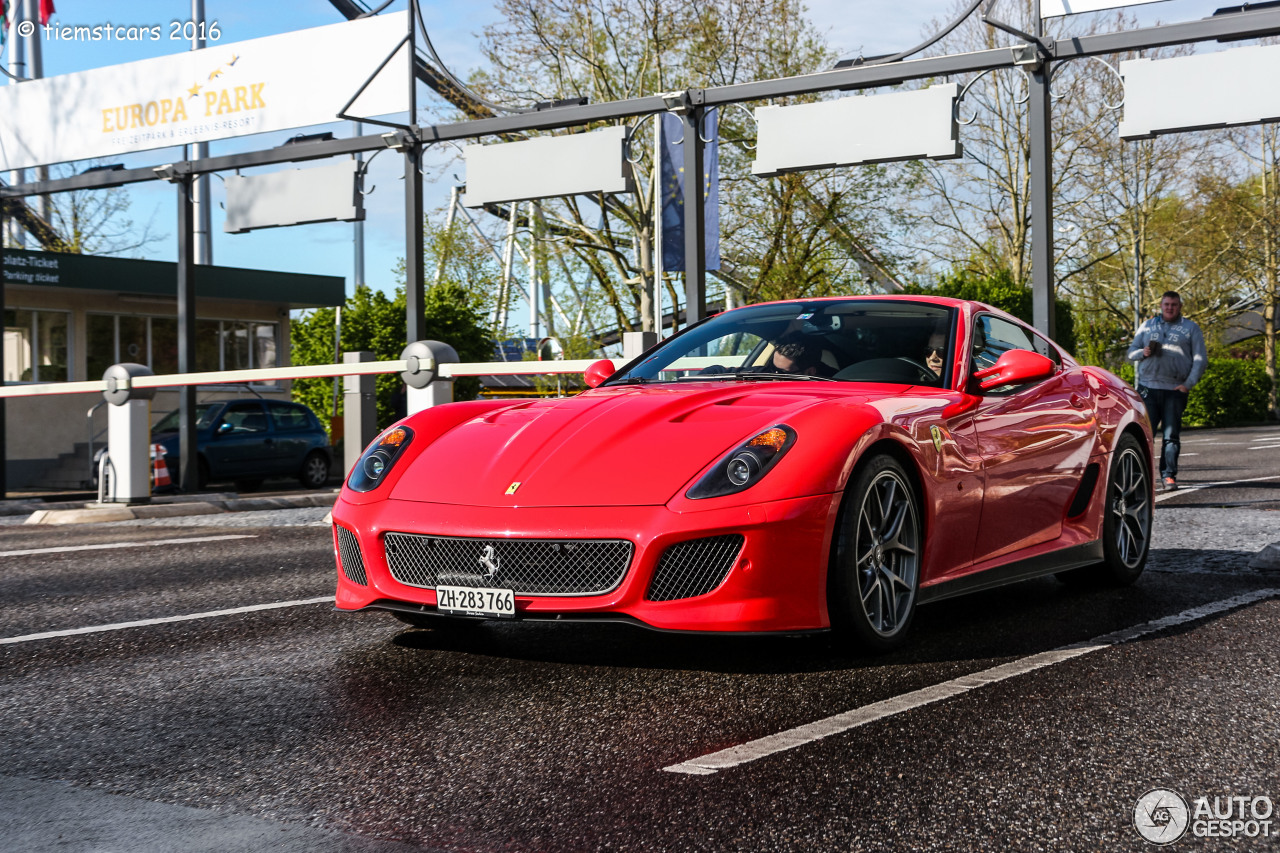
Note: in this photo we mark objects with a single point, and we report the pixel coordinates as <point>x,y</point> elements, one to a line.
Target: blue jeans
<point>1165,410</point>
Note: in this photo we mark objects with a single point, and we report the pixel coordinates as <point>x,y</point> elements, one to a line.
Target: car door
<point>1034,441</point>
<point>294,435</point>
<point>241,443</point>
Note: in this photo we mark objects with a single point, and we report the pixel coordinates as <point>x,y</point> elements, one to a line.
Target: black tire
<point>315,470</point>
<point>1127,518</point>
<point>875,570</point>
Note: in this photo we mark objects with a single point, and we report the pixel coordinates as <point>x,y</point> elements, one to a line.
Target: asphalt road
<point>1028,718</point>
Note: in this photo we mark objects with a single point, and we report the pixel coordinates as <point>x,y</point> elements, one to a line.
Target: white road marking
<point>142,623</point>
<point>1182,490</point>
<point>733,756</point>
<point>110,545</point>
<point>1265,447</point>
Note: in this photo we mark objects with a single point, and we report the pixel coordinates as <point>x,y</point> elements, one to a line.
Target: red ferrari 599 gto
<point>785,467</point>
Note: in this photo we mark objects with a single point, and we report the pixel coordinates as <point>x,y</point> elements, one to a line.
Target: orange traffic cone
<point>159,470</point>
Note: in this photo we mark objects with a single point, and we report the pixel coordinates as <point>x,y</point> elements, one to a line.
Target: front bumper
<point>776,584</point>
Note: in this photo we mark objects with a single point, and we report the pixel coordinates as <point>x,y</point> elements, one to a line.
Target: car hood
<point>632,446</point>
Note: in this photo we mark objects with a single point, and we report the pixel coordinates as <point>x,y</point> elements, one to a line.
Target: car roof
<point>944,301</point>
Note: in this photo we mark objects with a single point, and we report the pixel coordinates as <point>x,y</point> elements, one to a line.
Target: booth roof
<point>160,278</point>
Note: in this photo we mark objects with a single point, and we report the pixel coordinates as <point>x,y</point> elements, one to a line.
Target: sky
<point>869,27</point>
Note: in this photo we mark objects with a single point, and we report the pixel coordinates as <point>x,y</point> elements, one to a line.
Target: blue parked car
<point>249,440</point>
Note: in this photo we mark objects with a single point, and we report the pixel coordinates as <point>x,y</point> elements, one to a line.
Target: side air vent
<point>693,568</point>
<point>351,563</point>
<point>1084,494</point>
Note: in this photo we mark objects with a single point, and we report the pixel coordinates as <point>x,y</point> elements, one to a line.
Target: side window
<point>993,337</point>
<point>288,417</point>
<point>245,418</point>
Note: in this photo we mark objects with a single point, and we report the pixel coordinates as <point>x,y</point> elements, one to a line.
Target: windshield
<point>169,423</point>
<point>847,340</point>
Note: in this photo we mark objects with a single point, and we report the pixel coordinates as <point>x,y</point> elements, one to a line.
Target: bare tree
<point>98,222</point>
<point>785,236</point>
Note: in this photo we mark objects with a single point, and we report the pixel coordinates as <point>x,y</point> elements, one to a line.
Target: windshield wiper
<point>633,380</point>
<point>788,377</point>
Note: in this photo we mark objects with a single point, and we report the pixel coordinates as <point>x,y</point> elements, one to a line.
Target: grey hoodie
<point>1182,357</point>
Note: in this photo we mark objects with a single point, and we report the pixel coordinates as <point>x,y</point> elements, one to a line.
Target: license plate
<point>494,603</point>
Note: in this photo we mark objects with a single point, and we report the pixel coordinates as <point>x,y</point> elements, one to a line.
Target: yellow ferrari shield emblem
<point>511,490</point>
<point>937,433</point>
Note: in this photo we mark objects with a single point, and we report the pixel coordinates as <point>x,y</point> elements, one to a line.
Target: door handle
<point>1076,401</point>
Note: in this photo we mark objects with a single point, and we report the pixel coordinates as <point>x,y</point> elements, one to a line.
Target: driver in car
<point>796,355</point>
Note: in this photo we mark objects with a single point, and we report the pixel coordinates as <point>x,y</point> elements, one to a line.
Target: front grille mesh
<point>694,568</point>
<point>526,566</point>
<point>349,552</point>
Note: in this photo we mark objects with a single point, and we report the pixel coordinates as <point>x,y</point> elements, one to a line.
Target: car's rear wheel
<point>315,470</point>
<point>876,566</point>
<point>1126,524</point>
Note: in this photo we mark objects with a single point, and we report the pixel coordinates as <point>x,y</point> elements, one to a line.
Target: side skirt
<point>1021,570</point>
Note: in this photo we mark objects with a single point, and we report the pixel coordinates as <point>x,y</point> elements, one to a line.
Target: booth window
<point>35,346</point>
<point>153,341</point>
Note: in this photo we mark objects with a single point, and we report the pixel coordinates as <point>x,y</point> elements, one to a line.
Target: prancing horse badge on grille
<point>489,561</point>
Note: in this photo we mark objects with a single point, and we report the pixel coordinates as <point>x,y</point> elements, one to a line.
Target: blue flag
<point>671,172</point>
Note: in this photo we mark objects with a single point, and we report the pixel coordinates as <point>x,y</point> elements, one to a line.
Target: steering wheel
<point>926,373</point>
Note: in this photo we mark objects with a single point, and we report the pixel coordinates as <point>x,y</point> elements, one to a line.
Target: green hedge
<point>1231,392</point>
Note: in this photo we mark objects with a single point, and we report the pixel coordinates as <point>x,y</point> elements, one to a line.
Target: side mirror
<point>224,428</point>
<point>1015,367</point>
<point>598,372</point>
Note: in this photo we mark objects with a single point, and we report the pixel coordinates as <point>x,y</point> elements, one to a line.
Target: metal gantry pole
<point>18,67</point>
<point>657,225</point>
<point>189,476</point>
<point>414,273</point>
<point>695,219</point>
<point>202,247</point>
<point>534,330</point>
<point>1041,116</point>
<point>504,290</point>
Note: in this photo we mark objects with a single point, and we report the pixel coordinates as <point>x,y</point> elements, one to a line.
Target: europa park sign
<point>273,83</point>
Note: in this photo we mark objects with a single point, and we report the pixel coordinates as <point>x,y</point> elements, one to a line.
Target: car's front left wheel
<point>875,572</point>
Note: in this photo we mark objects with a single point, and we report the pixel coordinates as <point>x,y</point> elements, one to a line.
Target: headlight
<point>378,459</point>
<point>746,465</point>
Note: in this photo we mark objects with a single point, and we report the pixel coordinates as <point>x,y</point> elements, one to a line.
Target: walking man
<point>1171,358</point>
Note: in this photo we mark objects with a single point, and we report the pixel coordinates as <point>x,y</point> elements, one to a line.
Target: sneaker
<point>1170,484</point>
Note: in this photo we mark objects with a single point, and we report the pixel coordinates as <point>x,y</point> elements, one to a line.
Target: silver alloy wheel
<point>887,552</point>
<point>1130,507</point>
<point>315,471</point>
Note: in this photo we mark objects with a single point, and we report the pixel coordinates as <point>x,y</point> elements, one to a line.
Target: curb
<point>214,504</point>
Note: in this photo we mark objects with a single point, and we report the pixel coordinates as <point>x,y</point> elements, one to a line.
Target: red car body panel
<point>995,475</point>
